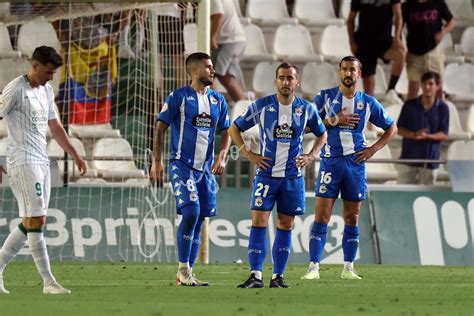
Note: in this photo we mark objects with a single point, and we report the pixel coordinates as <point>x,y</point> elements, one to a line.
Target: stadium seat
<point>462,10</point>
<point>455,130</point>
<point>316,13</point>
<point>3,129</point>
<point>3,146</point>
<point>256,50</point>
<point>461,150</point>
<point>190,38</point>
<point>293,43</point>
<point>459,82</point>
<point>335,43</point>
<point>467,43</point>
<point>55,151</point>
<point>345,9</point>
<point>380,83</point>
<point>118,161</point>
<point>12,68</point>
<point>402,84</point>
<point>447,46</point>
<point>315,77</point>
<point>251,137</point>
<point>381,171</point>
<point>37,33</point>
<point>470,120</point>
<point>269,12</point>
<point>93,131</point>
<point>264,77</point>
<point>6,50</point>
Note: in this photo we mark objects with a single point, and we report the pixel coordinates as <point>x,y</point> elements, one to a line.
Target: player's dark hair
<point>431,75</point>
<point>196,58</point>
<point>287,66</point>
<point>350,58</point>
<point>47,55</point>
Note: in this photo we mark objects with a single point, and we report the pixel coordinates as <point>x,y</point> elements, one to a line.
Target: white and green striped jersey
<point>27,111</point>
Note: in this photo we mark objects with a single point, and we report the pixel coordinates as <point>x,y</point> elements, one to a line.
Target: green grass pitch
<point>149,289</point>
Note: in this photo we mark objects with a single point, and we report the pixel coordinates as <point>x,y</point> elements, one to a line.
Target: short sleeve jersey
<point>345,140</point>
<point>27,111</point>
<point>194,119</point>
<point>282,129</point>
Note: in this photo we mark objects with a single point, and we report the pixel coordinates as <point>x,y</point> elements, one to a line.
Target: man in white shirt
<point>27,105</point>
<point>227,47</point>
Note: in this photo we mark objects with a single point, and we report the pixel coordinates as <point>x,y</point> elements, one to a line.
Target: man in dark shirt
<point>423,124</point>
<point>373,39</point>
<point>424,20</point>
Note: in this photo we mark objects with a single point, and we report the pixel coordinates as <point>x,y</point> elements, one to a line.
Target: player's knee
<point>190,214</point>
<point>351,218</point>
<point>323,217</point>
<point>34,222</point>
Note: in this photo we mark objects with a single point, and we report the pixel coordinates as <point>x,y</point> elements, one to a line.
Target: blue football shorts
<point>342,175</point>
<point>191,186</point>
<point>289,194</point>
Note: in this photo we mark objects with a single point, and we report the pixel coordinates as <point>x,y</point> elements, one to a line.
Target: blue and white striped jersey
<point>193,119</point>
<point>345,140</point>
<point>282,129</point>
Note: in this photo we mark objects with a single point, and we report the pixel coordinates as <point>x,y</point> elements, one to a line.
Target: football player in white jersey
<point>345,113</point>
<point>282,119</point>
<point>194,113</point>
<point>27,105</point>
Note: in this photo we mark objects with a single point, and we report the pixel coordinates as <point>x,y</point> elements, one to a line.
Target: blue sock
<point>350,242</point>
<point>196,242</point>
<point>185,233</point>
<point>317,241</point>
<point>257,249</point>
<point>281,250</point>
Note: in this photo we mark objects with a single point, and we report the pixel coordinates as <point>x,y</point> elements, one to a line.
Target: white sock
<point>274,275</point>
<point>258,274</point>
<point>314,266</point>
<point>12,245</point>
<point>40,256</point>
<point>183,265</point>
<point>348,266</point>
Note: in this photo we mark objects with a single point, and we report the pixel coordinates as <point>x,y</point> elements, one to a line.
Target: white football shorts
<point>31,186</point>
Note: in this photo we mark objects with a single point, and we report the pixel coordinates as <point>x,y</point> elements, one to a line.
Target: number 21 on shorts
<point>260,187</point>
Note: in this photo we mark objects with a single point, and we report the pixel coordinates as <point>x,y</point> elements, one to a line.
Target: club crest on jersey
<point>284,133</point>
<point>360,105</point>
<point>203,121</point>
<point>213,100</point>
<point>193,197</point>
<point>258,201</point>
<point>299,111</point>
<point>164,108</point>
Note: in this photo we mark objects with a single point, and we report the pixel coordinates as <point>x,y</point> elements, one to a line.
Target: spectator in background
<point>423,124</point>
<point>227,47</point>
<point>373,40</point>
<point>424,20</point>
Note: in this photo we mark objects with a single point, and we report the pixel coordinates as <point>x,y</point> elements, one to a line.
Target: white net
<point>121,61</point>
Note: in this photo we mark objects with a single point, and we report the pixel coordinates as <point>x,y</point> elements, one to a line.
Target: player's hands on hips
<point>156,172</point>
<point>365,154</point>
<point>304,160</point>
<point>219,165</point>
<point>81,165</point>
<point>260,161</point>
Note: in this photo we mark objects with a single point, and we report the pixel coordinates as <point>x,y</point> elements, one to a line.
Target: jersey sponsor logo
<point>258,201</point>
<point>164,108</point>
<point>284,133</point>
<point>213,100</point>
<point>203,121</point>
<point>299,111</point>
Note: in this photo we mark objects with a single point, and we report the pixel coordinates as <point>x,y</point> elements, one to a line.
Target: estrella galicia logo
<point>284,133</point>
<point>203,121</point>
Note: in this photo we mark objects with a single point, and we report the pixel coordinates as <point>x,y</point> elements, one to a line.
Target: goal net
<point>121,61</point>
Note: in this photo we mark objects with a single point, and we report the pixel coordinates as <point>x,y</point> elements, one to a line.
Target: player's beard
<point>206,81</point>
<point>348,84</point>
<point>285,92</point>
